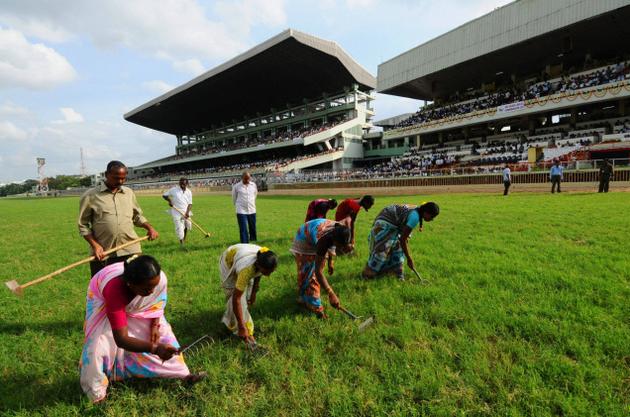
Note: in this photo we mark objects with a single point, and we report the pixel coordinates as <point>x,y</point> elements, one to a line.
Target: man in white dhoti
<point>179,198</point>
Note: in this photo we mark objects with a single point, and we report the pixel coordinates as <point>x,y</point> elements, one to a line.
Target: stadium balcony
<point>601,84</point>
<point>228,172</point>
<point>292,102</point>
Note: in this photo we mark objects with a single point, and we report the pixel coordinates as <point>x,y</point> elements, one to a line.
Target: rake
<point>193,222</point>
<point>196,346</point>
<point>18,289</point>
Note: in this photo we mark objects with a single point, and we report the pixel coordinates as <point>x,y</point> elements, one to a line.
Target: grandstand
<point>529,82</point>
<point>292,102</point>
<point>525,84</point>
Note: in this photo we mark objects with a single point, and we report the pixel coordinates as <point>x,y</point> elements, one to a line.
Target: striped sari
<point>102,360</point>
<point>386,254</point>
<point>304,249</point>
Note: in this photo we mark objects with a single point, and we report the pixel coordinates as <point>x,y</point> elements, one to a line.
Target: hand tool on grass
<point>257,350</point>
<point>193,222</point>
<point>422,280</point>
<point>197,345</point>
<point>18,289</point>
<point>364,324</point>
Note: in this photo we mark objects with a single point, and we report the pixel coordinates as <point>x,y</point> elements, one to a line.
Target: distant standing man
<point>351,207</point>
<point>317,209</point>
<point>180,198</point>
<point>605,174</point>
<point>507,179</point>
<point>556,176</point>
<point>107,216</point>
<point>244,195</point>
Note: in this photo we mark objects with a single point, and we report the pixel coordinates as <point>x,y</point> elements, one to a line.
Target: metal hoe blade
<point>14,287</point>
<point>366,323</point>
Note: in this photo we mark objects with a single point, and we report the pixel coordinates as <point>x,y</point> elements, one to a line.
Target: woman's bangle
<point>154,347</point>
<point>328,289</point>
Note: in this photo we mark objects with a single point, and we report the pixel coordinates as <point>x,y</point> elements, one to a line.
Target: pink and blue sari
<point>102,360</point>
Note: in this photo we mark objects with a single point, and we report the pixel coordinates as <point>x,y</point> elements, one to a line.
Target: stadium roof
<point>518,38</point>
<point>280,72</point>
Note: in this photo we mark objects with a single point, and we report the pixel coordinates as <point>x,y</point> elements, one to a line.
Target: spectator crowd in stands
<point>613,73</point>
<point>279,137</point>
<point>264,165</point>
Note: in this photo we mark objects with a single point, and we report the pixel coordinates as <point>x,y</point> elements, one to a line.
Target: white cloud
<point>175,30</point>
<point>70,115</point>
<point>190,66</point>
<point>10,109</point>
<point>60,144</point>
<point>252,12</point>
<point>359,4</point>
<point>327,4</point>
<point>157,86</point>
<point>36,28</point>
<point>35,66</point>
<point>10,132</point>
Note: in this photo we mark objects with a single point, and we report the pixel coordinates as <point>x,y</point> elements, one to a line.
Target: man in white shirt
<point>244,199</point>
<point>179,198</point>
<point>507,179</point>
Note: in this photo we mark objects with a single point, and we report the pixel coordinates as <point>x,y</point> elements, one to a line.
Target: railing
<point>481,179</point>
<point>570,167</point>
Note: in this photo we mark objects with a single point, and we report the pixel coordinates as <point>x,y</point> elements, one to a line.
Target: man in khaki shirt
<point>107,216</point>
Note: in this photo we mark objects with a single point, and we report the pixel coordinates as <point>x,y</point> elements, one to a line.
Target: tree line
<point>60,182</point>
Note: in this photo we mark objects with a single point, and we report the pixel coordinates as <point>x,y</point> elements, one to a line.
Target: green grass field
<point>527,314</point>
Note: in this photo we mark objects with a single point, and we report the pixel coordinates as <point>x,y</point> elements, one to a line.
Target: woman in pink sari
<point>126,333</point>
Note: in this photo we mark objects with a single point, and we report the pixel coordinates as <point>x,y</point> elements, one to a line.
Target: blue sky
<point>70,69</point>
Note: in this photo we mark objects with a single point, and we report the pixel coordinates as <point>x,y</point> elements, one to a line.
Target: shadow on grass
<point>32,392</point>
<point>194,325</point>
<point>277,306</point>
<point>57,328</point>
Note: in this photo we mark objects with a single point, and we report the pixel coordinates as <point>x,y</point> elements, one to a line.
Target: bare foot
<point>196,377</point>
<point>99,400</point>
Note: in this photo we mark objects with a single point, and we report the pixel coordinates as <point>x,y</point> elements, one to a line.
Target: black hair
<point>432,208</point>
<point>332,203</point>
<point>184,179</point>
<point>141,269</point>
<point>112,165</point>
<point>267,260</point>
<point>366,200</point>
<point>341,233</point>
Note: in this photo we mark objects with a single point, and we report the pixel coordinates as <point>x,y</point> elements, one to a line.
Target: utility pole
<point>83,169</point>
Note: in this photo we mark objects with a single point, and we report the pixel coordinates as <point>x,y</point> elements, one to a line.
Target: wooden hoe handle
<point>81,262</point>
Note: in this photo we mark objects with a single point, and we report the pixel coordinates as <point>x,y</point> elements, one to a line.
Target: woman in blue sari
<point>388,239</point>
